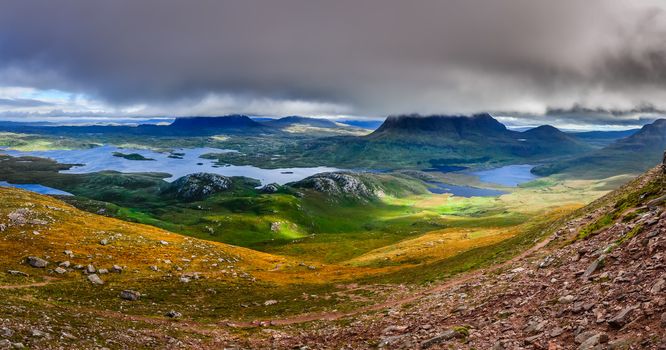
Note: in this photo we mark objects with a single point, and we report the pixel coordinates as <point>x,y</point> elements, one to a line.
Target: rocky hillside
<point>360,186</point>
<point>598,282</point>
<point>199,185</point>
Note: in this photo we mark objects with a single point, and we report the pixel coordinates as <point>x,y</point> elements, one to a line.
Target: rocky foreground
<point>603,291</point>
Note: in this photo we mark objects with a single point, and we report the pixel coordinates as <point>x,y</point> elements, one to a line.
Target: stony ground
<point>604,292</point>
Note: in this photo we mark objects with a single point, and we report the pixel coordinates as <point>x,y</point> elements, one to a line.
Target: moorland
<point>234,222</point>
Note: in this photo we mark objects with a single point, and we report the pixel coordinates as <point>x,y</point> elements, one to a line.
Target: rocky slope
<point>359,186</point>
<point>199,185</point>
<point>599,283</point>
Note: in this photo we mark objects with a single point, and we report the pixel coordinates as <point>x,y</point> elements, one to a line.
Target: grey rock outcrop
<point>340,184</point>
<point>200,185</point>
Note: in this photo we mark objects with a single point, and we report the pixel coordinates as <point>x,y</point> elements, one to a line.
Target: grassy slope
<point>244,276</point>
<point>73,305</point>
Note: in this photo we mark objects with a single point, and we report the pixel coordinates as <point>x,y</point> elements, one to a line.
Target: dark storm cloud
<point>370,57</point>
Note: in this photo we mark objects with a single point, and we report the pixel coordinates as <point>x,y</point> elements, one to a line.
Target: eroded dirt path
<point>47,280</point>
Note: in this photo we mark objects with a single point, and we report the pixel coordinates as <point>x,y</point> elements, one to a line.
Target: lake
<point>36,188</point>
<point>178,163</point>
<point>510,175</point>
<point>463,191</point>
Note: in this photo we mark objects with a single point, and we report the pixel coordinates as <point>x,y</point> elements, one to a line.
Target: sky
<point>573,64</point>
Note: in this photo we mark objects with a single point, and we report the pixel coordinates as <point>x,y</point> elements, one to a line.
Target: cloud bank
<point>361,57</point>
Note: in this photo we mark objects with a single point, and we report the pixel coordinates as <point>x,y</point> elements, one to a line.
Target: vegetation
<point>131,156</point>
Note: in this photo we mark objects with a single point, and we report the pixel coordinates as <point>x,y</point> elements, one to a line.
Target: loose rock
<point>130,295</point>
<point>36,262</point>
<point>94,279</point>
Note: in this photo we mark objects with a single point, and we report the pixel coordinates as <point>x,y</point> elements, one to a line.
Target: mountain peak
<point>235,121</point>
<point>457,126</point>
<point>547,132</point>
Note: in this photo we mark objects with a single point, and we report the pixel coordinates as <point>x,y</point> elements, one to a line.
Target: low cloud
<point>362,57</point>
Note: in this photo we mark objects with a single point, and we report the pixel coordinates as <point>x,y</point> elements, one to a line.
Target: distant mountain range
<point>633,154</point>
<point>414,141</point>
<point>478,132</point>
<point>196,126</point>
<point>440,142</point>
<point>602,138</point>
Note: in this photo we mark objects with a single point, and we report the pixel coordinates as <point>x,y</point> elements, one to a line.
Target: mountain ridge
<point>635,154</point>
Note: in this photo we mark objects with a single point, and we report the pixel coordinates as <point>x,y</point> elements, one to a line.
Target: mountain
<point>602,138</point>
<point>633,154</point>
<point>237,122</point>
<point>185,126</point>
<point>439,141</point>
<point>441,127</point>
<point>480,131</point>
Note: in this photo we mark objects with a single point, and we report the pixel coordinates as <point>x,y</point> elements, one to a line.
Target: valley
<point>226,247</point>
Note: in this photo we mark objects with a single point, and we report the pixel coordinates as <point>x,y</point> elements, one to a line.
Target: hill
<point>596,283</point>
<point>313,126</point>
<point>602,138</point>
<point>633,154</point>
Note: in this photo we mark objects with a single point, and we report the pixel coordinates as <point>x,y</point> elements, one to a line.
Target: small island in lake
<point>131,156</point>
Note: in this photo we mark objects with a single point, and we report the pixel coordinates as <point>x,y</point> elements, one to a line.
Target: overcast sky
<point>561,62</point>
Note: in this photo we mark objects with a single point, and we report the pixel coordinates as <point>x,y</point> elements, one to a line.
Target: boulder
<point>36,262</point>
<point>567,299</point>
<point>17,273</point>
<point>594,266</point>
<point>591,342</point>
<point>621,318</point>
<point>94,279</point>
<point>174,314</point>
<point>442,337</point>
<point>130,295</point>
